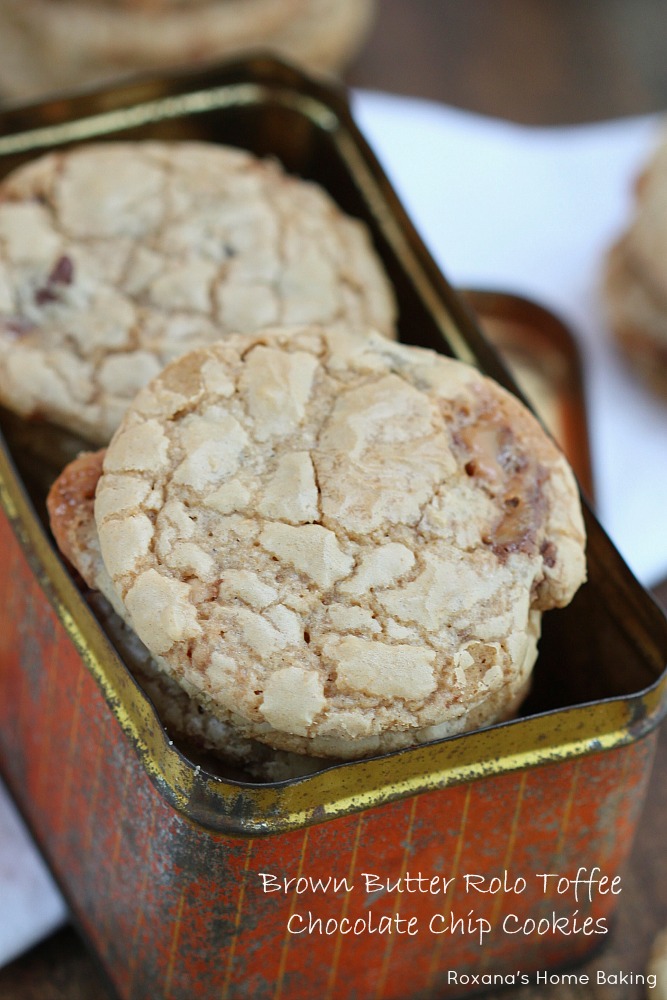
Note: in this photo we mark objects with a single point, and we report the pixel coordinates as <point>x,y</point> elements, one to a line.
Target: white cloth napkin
<point>525,210</point>
<point>30,905</point>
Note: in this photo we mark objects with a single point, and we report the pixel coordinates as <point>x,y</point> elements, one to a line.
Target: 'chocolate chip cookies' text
<point>582,887</point>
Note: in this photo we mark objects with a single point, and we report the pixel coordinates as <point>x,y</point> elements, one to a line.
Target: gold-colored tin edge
<point>152,111</point>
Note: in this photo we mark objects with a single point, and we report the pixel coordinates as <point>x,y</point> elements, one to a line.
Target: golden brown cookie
<point>637,317</point>
<point>340,544</point>
<point>116,258</point>
<point>47,46</point>
<point>635,277</point>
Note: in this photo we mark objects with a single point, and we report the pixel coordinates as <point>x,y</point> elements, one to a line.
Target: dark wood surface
<point>537,62</point>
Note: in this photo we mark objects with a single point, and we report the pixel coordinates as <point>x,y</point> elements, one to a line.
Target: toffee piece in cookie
<point>339,544</point>
<point>117,258</point>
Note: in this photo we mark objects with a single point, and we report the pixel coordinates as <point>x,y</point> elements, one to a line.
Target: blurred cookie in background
<point>47,46</point>
<point>635,278</point>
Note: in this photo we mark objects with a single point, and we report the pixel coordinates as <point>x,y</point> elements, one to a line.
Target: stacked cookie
<point>317,542</point>
<point>46,46</point>
<point>635,278</point>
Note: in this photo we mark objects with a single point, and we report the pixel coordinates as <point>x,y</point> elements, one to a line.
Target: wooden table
<point>537,62</point>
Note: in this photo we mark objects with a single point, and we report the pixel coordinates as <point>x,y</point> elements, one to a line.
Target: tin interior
<point>599,679</point>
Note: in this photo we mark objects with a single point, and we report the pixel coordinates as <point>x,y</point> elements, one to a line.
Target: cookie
<point>646,237</point>
<point>70,507</point>
<point>340,544</point>
<point>637,317</point>
<point>116,258</point>
<point>635,277</point>
<point>48,46</point>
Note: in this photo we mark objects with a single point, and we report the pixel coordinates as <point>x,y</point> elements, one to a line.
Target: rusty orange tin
<point>428,872</point>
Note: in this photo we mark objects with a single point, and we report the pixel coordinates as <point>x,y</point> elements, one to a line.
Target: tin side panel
<point>177,911</point>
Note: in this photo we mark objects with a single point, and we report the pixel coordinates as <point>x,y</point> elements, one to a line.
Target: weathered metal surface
<point>177,910</point>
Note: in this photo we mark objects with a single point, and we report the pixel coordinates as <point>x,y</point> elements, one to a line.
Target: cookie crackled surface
<point>340,544</point>
<point>116,258</point>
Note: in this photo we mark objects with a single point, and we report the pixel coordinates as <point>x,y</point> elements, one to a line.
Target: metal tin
<point>162,859</point>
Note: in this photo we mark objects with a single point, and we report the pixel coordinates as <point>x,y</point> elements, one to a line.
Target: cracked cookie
<point>338,544</point>
<point>116,258</point>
